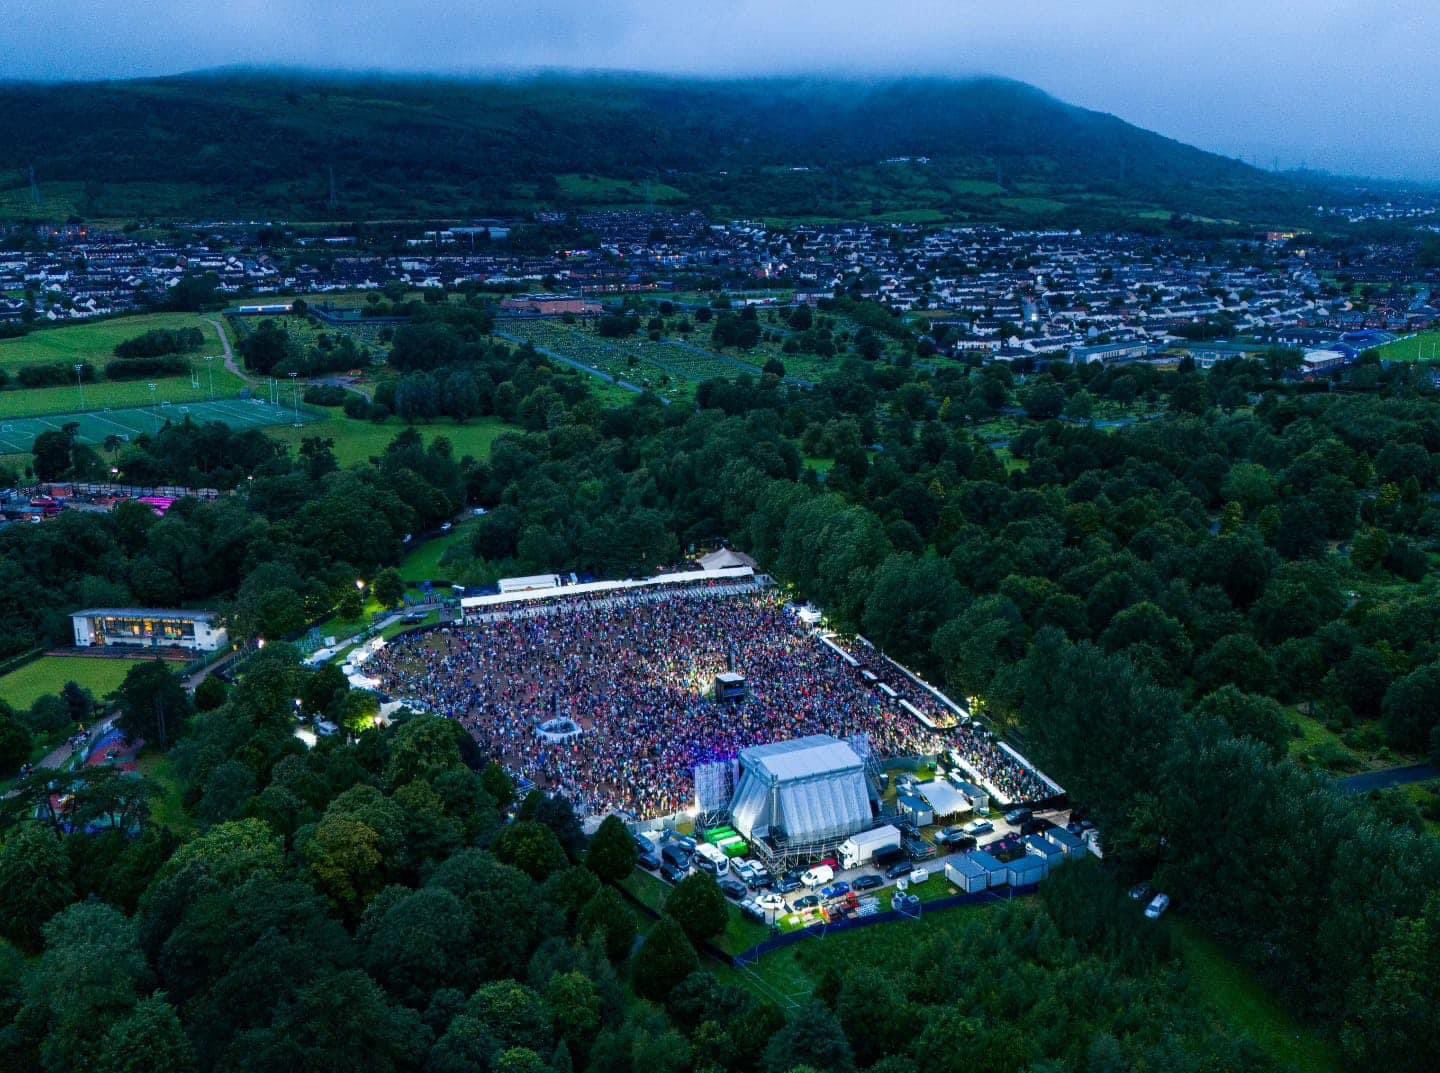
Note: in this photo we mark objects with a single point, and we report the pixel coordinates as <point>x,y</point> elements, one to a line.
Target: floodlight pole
<point>80,382</point>
<point>295,397</point>
<point>210,365</point>
<point>155,413</point>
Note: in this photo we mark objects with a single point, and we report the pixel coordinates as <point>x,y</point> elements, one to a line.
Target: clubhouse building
<point>149,628</point>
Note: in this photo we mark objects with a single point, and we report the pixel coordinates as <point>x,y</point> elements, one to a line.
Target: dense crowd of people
<point>636,671</point>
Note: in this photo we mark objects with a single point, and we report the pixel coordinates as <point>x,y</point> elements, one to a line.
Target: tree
<point>153,704</point>
<point>1247,715</point>
<point>665,958</point>
<point>149,1039</point>
<point>1409,708</point>
<point>420,943</point>
<point>351,605</point>
<point>531,847</point>
<point>210,693</point>
<point>344,856</point>
<point>389,588</point>
<point>514,1015</point>
<point>612,853</point>
<point>607,915</point>
<point>53,452</point>
<point>811,1037</point>
<point>698,906</point>
<point>15,743</point>
<point>79,702</point>
<point>34,883</point>
<point>324,689</point>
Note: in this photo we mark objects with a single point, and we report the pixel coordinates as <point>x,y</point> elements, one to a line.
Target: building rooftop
<point>146,612</point>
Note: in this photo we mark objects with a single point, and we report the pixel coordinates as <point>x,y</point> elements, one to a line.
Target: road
<point>1383,780</point>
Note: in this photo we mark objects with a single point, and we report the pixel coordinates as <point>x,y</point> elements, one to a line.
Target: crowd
<point>635,672</point>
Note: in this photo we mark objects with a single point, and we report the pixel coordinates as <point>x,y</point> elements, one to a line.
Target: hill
<point>231,143</point>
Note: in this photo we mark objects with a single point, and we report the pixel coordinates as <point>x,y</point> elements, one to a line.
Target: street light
<point>80,382</point>
<point>210,366</point>
<point>295,397</point>
<point>359,583</point>
<point>155,413</point>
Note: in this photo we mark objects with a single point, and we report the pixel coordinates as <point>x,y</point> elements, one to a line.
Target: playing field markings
<point>12,447</point>
<point>128,429</point>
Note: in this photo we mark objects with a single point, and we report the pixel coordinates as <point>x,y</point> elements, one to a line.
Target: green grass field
<point>167,808</point>
<point>358,441</point>
<point>423,564</point>
<point>1246,1007</point>
<point>17,434</point>
<point>48,674</point>
<point>95,341</point>
<point>1424,347</point>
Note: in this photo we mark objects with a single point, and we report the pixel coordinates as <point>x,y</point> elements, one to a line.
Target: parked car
<point>1036,825</point>
<point>895,871</point>
<point>963,844</point>
<point>979,827</point>
<point>685,842</point>
<point>733,888</point>
<point>1156,909</point>
<point>949,835</point>
<point>670,873</point>
<point>1140,891</point>
<point>772,902</point>
<point>1017,816</point>
<point>753,911</point>
<point>787,884</point>
<point>447,527</point>
<point>809,901</point>
<point>835,890</point>
<point>677,856</point>
<point>649,862</point>
<point>869,882</point>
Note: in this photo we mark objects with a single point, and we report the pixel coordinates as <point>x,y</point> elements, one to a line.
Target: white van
<point>818,876</point>
<point>712,859</point>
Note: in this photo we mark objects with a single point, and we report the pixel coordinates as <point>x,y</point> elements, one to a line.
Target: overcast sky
<point>1340,84</point>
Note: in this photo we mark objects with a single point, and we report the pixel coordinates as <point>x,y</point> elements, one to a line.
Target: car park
<point>1156,909</point>
<point>895,871</point>
<point>868,882</point>
<point>733,889</point>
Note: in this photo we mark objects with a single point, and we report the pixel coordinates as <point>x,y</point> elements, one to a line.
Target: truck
<point>862,848</point>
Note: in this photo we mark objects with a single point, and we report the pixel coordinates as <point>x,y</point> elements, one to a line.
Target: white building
<point>149,628</point>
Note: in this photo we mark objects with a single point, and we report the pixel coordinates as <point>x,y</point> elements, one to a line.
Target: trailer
<point>861,848</point>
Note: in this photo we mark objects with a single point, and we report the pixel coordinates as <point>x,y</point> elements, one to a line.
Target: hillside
<point>222,144</point>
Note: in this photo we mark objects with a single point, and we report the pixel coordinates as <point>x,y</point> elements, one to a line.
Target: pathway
<point>230,363</point>
<point>1383,780</point>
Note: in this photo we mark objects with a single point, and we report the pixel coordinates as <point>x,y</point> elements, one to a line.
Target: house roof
<point>146,612</point>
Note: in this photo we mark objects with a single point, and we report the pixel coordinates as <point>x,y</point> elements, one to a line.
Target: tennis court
<point>17,435</point>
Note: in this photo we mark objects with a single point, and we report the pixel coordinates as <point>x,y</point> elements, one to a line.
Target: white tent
<point>943,798</point>
<point>809,789</point>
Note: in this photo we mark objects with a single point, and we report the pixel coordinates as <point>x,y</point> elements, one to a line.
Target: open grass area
<point>17,434</point>
<point>95,341</point>
<point>175,390</point>
<point>166,808</point>
<point>1424,347</point>
<point>358,441</point>
<point>1242,1004</point>
<point>423,564</point>
<point>48,674</point>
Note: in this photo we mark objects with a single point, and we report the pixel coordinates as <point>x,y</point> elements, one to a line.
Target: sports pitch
<point>17,435</point>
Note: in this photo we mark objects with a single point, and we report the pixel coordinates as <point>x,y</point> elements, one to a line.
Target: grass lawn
<point>1242,1004</point>
<point>358,441</point>
<point>95,341</point>
<point>423,564</point>
<point>166,808</point>
<point>1424,347</point>
<point>28,402</point>
<point>48,674</point>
